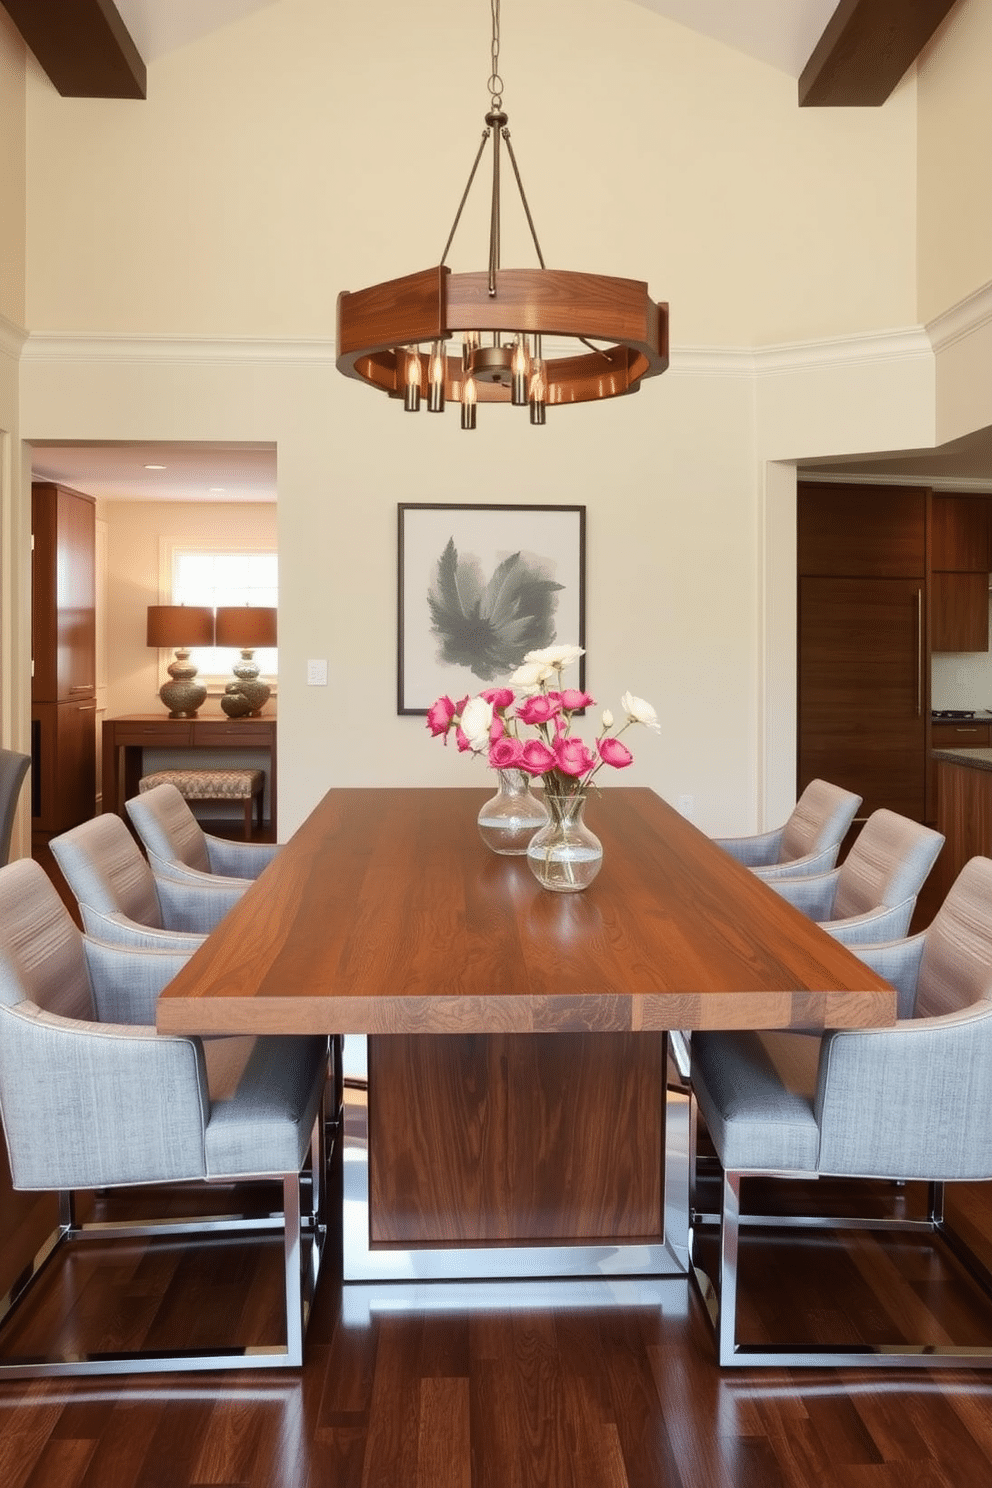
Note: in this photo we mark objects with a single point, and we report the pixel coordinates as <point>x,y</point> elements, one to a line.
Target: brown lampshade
<point>246,626</point>
<point>180,625</point>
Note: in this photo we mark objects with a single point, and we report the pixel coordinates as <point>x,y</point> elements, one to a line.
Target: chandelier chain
<point>495,81</point>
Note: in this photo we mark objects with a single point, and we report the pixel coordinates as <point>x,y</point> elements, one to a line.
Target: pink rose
<point>461,739</point>
<point>571,699</point>
<point>538,709</point>
<point>496,729</point>
<point>536,757</point>
<point>500,697</point>
<point>614,753</point>
<point>439,716</point>
<point>505,753</point>
<point>572,757</point>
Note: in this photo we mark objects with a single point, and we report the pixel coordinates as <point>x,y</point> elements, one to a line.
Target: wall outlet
<point>316,673</point>
<point>685,805</point>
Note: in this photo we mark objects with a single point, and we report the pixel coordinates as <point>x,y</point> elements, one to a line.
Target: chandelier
<point>395,336</point>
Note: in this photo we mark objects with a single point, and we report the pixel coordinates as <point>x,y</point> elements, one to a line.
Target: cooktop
<point>950,714</point>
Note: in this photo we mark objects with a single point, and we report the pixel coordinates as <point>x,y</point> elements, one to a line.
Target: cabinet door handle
<point>86,708</point>
<point>919,652</point>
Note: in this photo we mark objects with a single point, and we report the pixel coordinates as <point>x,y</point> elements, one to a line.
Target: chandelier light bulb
<point>519,368</point>
<point>469,396</point>
<point>538,393</point>
<point>411,398</point>
<point>435,379</point>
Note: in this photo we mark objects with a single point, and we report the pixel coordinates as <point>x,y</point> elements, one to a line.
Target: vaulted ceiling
<point>849,54</point>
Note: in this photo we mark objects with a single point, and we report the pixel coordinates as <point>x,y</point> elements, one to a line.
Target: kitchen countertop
<point>978,759</point>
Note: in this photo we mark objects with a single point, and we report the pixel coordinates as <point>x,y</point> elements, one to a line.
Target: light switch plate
<point>316,673</point>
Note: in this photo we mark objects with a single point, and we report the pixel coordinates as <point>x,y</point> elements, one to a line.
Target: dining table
<point>517,1077</point>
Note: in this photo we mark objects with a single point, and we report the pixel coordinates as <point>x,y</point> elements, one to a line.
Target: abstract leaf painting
<point>479,586</point>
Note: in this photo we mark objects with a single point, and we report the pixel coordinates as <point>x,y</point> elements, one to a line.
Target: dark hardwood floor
<point>519,1394</point>
<point>621,1394</point>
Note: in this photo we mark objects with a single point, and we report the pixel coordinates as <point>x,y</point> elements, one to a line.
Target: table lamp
<point>246,626</point>
<point>178,627</point>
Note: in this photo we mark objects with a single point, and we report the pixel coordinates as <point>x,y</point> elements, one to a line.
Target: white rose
<point>477,717</point>
<point>556,657</point>
<point>529,676</point>
<point>638,711</point>
<point>607,719</point>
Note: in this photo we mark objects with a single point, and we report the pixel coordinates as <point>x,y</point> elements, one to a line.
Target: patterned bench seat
<point>214,785</point>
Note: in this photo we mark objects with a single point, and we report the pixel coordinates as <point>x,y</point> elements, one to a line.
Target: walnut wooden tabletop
<point>386,914</point>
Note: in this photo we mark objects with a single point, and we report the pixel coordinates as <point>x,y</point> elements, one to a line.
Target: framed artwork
<point>479,586</point>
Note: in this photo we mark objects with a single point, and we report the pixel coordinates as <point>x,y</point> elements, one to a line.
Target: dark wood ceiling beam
<point>83,45</point>
<point>866,49</point>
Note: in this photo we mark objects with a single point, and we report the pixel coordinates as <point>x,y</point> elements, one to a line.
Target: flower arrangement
<point>493,722</point>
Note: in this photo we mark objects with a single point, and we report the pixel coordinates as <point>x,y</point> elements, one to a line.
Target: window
<point>203,575</point>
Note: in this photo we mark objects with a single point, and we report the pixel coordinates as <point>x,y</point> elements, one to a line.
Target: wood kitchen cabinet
<point>959,560</point>
<point>63,651</point>
<point>863,662</point>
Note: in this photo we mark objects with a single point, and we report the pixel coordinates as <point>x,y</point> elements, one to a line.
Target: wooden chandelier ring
<point>374,326</point>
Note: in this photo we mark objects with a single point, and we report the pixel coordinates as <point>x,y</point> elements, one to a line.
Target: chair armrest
<point>196,908</point>
<point>874,926</point>
<point>180,873</point>
<point>126,983</point>
<point>898,961</point>
<point>128,1106</point>
<point>753,851</point>
<point>908,1102</point>
<point>814,896</point>
<point>117,929</point>
<point>811,865</point>
<point>239,859</point>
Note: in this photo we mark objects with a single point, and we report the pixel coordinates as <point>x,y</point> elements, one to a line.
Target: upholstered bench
<point>214,785</point>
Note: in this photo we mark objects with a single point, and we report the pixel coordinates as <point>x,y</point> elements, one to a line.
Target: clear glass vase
<point>564,855</point>
<point>509,820</point>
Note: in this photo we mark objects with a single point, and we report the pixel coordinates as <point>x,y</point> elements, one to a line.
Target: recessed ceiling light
<point>154,467</point>
<point>218,489</point>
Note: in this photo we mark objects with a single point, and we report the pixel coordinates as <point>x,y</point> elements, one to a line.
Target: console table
<point>124,739</point>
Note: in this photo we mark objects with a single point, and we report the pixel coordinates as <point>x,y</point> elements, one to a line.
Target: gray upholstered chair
<point>93,1098</point>
<point>809,841</point>
<point>910,1102</point>
<point>122,901</point>
<point>872,895</point>
<point>13,768</point>
<point>175,841</point>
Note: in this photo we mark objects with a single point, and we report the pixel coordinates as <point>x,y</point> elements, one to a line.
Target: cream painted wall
<point>12,171</point>
<point>15,513</point>
<point>135,530</point>
<point>298,152</point>
<point>207,213</point>
<point>690,580</point>
<point>955,112</point>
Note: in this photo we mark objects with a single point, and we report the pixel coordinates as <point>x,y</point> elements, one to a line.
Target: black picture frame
<point>479,584</point>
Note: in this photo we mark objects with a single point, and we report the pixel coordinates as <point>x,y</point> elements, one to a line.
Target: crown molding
<point>187,350</point>
<point>902,344</point>
<point>971,314</point>
<point>958,485</point>
<point>906,344</point>
<point>12,339</point>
